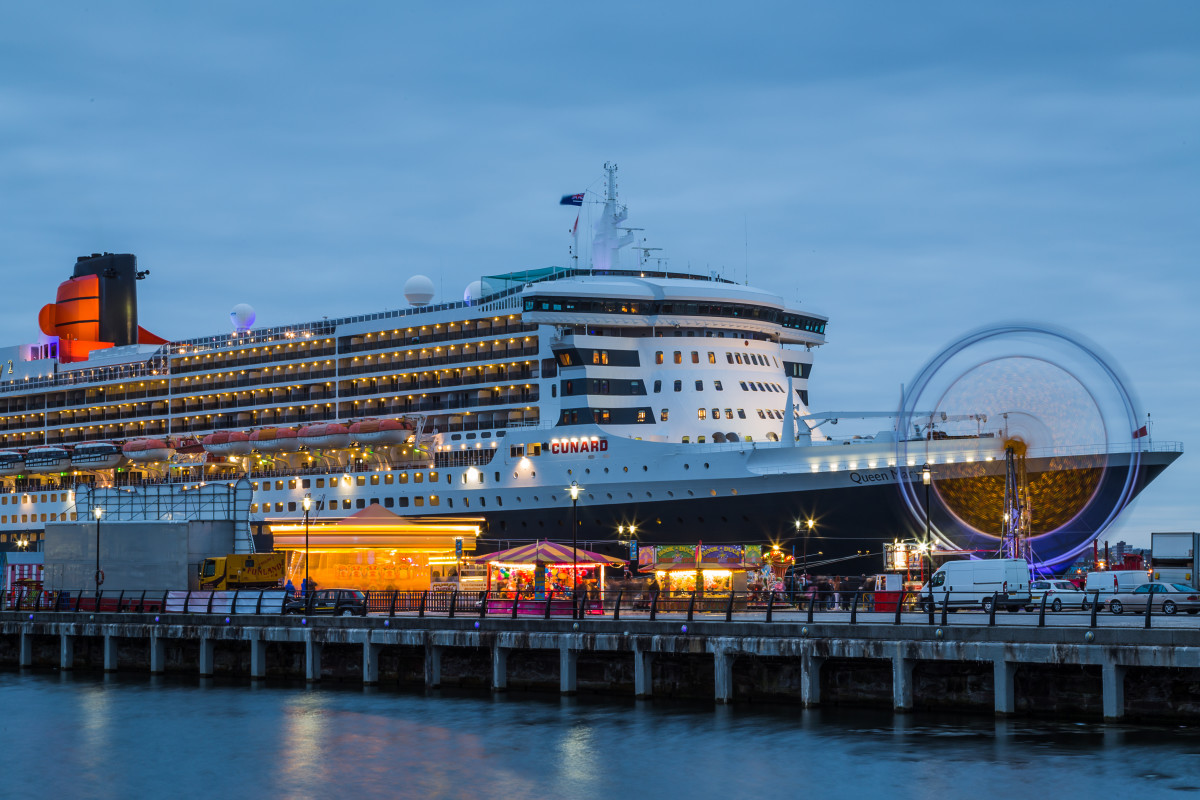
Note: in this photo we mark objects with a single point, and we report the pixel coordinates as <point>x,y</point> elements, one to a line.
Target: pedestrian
<point>837,593</point>
<point>290,588</point>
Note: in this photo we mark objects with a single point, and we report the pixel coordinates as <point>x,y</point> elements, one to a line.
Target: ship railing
<point>819,603</point>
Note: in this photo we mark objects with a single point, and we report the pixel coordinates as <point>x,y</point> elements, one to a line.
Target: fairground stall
<point>535,569</point>
<point>376,550</point>
<point>709,570</point>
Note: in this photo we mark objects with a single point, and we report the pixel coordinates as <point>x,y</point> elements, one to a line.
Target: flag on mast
<point>571,200</point>
<point>1142,431</point>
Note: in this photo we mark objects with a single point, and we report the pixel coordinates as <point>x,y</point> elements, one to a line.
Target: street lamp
<point>307,506</point>
<point>926,478</point>
<point>808,526</point>
<point>98,512</point>
<point>574,536</point>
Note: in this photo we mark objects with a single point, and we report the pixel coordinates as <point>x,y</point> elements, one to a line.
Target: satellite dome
<point>418,290</point>
<point>242,317</point>
<point>476,290</point>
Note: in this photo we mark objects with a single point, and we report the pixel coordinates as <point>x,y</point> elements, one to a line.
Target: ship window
<point>516,450</point>
<point>678,357</point>
<point>454,437</point>
<point>418,501</point>
<point>360,480</point>
<point>291,506</point>
<point>388,502</point>
<point>658,359</point>
<point>553,390</point>
<point>345,504</point>
<point>678,386</point>
<point>279,485</point>
<point>753,387</point>
<point>761,415</point>
<point>418,477</point>
<point>712,358</point>
<point>292,483</point>
<point>279,508</point>
<point>403,477</point>
<point>403,502</point>
<point>374,480</point>
<point>664,414</point>
<point>253,510</point>
<point>737,357</point>
<point>743,385</point>
<point>306,483</point>
<point>433,476</point>
<point>717,386</point>
<point>433,499</point>
<point>699,386</point>
<point>701,413</point>
<point>716,413</point>
<point>695,357</point>
<point>657,387</point>
<point>686,439</point>
<point>741,413</point>
<point>729,357</point>
<point>700,439</point>
<point>728,413</point>
<point>388,479</point>
<point>641,415</point>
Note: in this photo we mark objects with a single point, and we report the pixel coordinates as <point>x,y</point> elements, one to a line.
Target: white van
<point>1110,582</point>
<point>974,583</point>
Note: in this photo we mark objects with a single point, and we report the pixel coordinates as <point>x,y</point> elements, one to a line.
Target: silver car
<point>1167,597</point>
<point>1059,594</point>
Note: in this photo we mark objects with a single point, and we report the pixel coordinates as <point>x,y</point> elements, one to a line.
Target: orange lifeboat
<point>274,440</point>
<point>144,450</point>
<point>380,431</point>
<point>325,436</point>
<point>228,443</point>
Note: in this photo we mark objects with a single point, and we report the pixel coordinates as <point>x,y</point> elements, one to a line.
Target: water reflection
<point>132,736</point>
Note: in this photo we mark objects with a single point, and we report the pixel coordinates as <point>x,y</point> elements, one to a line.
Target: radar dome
<point>418,290</point>
<point>242,317</point>
<point>476,290</point>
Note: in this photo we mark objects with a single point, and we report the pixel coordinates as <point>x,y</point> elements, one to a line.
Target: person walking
<point>290,588</point>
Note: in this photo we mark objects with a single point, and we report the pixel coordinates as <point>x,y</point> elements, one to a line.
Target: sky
<point>911,170</point>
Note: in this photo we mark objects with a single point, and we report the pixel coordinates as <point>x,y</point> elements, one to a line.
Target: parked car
<point>1059,594</point>
<point>1167,597</point>
<point>335,602</point>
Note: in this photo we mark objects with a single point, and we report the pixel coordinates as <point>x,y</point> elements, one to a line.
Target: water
<point>94,736</point>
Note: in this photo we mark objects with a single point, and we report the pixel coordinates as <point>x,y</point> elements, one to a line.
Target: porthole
<point>610,495</point>
<point>535,498</point>
<point>670,493</point>
<point>649,495</point>
<point>712,492</point>
<point>625,468</point>
<point>691,493</point>
<point>606,470</point>
<point>687,466</point>
<point>645,468</point>
<point>706,465</point>
<point>629,495</point>
<point>733,491</point>
<point>587,471</point>
<point>568,472</point>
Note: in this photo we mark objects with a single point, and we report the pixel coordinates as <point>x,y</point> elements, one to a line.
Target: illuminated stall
<point>540,567</point>
<point>376,550</point>
<point>705,569</point>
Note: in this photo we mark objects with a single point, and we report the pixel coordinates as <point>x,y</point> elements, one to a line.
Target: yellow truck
<point>252,571</point>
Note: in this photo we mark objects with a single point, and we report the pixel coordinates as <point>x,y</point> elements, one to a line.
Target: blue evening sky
<point>913,169</point>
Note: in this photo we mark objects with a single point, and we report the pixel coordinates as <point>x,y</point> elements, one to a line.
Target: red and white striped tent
<point>547,552</point>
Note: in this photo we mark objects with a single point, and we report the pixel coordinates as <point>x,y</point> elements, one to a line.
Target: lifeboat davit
<point>97,455</point>
<point>274,440</point>
<point>380,431</point>
<point>11,462</point>
<point>143,450</point>
<point>325,436</point>
<point>47,459</point>
<point>228,443</point>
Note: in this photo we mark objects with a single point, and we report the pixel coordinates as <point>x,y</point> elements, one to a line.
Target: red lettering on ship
<point>584,446</point>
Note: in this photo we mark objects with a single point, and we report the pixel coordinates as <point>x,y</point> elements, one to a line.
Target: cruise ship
<point>677,404</point>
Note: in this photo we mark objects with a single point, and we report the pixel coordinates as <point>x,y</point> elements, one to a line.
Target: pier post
<point>258,657</point>
<point>66,651</point>
<point>1113,677</point>
<point>499,669</point>
<point>25,653</point>
<point>158,654</point>
<point>902,682</point>
<point>371,663</point>
<point>110,653</point>
<point>567,660</point>
<point>206,656</point>
<point>433,666</point>
<point>723,676</point>
<point>1005,689</point>
<point>312,659</point>
<point>810,680</point>
<point>643,672</point>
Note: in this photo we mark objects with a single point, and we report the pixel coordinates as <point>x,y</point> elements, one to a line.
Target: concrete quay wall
<point>1112,674</point>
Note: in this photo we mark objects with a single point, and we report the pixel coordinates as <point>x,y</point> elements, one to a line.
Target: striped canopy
<point>548,553</point>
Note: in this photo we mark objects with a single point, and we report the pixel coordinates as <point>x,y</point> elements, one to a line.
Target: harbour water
<point>88,735</point>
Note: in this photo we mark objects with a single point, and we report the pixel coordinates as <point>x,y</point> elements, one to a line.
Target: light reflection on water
<point>89,736</point>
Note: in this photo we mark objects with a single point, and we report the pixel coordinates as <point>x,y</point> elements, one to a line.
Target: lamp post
<point>808,526</point>
<point>926,478</point>
<point>98,512</point>
<point>574,538</point>
<point>307,506</point>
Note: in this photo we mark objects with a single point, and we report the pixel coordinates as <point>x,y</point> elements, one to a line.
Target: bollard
<point>770,604</point>
<point>483,602</point>
<point>1042,610</point>
<point>211,594</point>
<point>812,604</point>
<point>729,607</point>
<point>233,605</point>
<point>78,600</point>
<point>900,605</point>
<point>1095,608</point>
<point>691,606</point>
<point>929,606</point>
<point>653,604</point>
<point>1149,607</point>
<point>258,603</point>
<point>392,604</point>
<point>163,608</point>
<point>453,601</point>
<point>945,608</point>
<point>421,603</point>
<point>854,610</point>
<point>617,607</point>
<point>516,600</point>
<point>992,610</point>
<point>120,600</point>
<point>187,598</point>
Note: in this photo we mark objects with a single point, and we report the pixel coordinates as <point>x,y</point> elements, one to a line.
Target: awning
<point>548,553</point>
